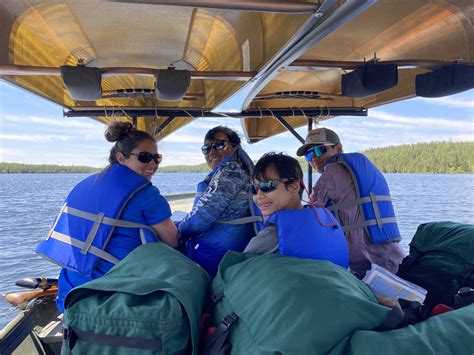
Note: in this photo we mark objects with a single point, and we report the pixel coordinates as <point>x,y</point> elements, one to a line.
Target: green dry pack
<point>441,260</point>
<point>447,333</point>
<point>149,303</point>
<point>275,304</point>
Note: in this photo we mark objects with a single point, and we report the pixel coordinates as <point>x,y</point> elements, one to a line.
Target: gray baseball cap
<point>318,136</point>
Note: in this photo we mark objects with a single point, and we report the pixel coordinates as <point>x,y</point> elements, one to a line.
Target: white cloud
<point>428,122</point>
<point>450,101</point>
<point>12,155</point>
<point>183,138</point>
<point>33,137</point>
<point>58,122</point>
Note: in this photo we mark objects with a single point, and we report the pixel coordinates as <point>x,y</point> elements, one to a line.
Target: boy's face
<point>282,198</point>
<point>319,163</point>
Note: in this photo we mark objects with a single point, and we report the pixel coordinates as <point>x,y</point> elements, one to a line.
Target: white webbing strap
<point>371,222</point>
<point>56,220</point>
<point>105,220</point>
<point>359,201</point>
<point>375,206</point>
<point>92,233</point>
<point>243,196</point>
<point>78,244</point>
<point>243,220</point>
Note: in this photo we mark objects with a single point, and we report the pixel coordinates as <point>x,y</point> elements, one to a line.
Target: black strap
<point>216,297</point>
<point>216,344</point>
<point>404,313</point>
<point>464,297</point>
<point>74,334</point>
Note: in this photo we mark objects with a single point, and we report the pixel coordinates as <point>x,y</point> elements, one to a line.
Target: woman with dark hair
<point>222,214</point>
<point>109,214</point>
<point>290,228</point>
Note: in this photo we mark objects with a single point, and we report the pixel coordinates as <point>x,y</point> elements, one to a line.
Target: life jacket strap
<point>80,245</point>
<point>370,222</point>
<point>56,220</point>
<point>243,220</point>
<point>106,220</point>
<point>92,233</point>
<point>243,196</point>
<point>359,201</point>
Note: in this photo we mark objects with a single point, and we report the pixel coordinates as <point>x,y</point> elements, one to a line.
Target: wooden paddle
<point>20,299</point>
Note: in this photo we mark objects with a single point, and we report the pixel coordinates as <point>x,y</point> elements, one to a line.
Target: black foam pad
<point>447,80</point>
<point>83,83</point>
<point>172,84</point>
<point>369,79</point>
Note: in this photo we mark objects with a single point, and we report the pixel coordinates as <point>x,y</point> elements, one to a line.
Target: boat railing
<point>182,202</point>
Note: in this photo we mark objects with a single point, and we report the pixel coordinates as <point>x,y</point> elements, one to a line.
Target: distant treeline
<point>15,168</point>
<point>435,157</point>
<point>201,168</point>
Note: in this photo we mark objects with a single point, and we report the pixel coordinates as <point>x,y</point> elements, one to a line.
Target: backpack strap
<point>217,344</point>
<point>464,297</point>
<point>72,335</point>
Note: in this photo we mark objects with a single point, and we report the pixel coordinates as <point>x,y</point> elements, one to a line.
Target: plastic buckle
<point>228,321</point>
<point>464,297</point>
<point>216,297</point>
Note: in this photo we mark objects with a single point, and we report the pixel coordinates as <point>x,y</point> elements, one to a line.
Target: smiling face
<point>214,157</point>
<point>318,163</point>
<point>284,197</point>
<point>144,169</point>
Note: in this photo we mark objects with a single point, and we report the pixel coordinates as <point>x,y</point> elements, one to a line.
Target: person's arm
<point>324,189</point>
<point>167,232</point>
<point>265,242</point>
<point>157,212</point>
<point>221,192</point>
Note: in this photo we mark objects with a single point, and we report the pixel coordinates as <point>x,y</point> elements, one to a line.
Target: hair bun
<point>117,131</point>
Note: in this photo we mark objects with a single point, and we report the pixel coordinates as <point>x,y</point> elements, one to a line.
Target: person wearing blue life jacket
<point>290,228</point>
<point>109,214</point>
<point>357,193</point>
<point>222,217</point>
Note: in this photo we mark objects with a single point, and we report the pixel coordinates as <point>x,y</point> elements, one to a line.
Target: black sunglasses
<point>146,157</point>
<point>206,148</point>
<point>266,186</point>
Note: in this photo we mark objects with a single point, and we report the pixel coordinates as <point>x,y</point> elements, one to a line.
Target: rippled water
<point>30,202</point>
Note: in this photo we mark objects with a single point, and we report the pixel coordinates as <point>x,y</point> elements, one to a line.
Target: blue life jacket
<point>372,198</point>
<point>208,249</point>
<point>310,233</point>
<point>88,218</point>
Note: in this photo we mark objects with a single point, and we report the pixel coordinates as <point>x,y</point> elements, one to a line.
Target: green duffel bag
<point>274,304</point>
<point>149,303</point>
<point>441,260</point>
<point>448,333</point>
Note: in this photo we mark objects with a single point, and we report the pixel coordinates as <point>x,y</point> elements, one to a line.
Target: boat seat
<point>51,334</point>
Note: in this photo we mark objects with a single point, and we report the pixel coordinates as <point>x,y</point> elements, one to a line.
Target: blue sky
<point>33,130</point>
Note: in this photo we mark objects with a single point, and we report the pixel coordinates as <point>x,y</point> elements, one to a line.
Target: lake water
<point>29,203</point>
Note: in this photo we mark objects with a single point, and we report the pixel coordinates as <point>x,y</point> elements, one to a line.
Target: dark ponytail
<point>126,139</point>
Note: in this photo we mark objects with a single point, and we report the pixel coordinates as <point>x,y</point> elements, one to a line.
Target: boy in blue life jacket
<point>290,228</point>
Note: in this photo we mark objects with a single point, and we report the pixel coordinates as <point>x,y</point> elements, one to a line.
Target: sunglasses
<point>266,186</point>
<point>317,151</point>
<point>146,157</point>
<point>206,148</point>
